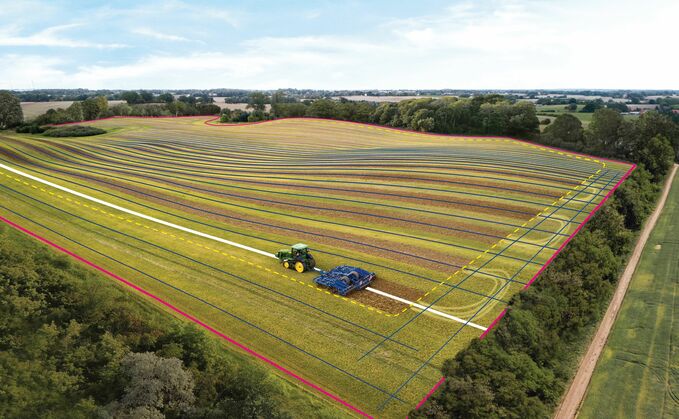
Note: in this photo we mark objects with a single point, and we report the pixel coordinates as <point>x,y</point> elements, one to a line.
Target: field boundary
<point>185,315</point>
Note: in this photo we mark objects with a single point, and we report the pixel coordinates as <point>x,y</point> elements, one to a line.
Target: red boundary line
<point>492,325</point>
<point>186,315</point>
<point>208,122</point>
<point>549,261</point>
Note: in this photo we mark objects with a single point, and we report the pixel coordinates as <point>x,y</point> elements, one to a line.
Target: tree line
<point>73,344</point>
<point>479,115</point>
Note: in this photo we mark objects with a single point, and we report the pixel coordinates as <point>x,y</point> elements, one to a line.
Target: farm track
<point>572,401</point>
<point>456,224</point>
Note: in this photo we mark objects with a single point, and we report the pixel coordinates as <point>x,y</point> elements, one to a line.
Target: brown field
<point>33,109</point>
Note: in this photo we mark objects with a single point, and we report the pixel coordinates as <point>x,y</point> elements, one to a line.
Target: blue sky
<point>259,44</point>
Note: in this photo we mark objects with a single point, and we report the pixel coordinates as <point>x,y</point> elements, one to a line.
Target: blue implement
<point>344,279</point>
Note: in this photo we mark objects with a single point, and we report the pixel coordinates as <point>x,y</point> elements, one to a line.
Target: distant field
<point>219,101</point>
<point>33,109</point>
<point>452,223</point>
<point>638,372</point>
<point>552,111</point>
<point>385,98</point>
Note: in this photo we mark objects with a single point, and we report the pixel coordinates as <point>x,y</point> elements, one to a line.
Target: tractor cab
<point>297,258</point>
<point>299,250</point>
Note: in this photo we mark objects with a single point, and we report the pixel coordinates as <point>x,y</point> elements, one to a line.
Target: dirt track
<point>570,405</point>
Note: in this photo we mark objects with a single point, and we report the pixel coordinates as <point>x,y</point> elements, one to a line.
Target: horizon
<point>266,45</point>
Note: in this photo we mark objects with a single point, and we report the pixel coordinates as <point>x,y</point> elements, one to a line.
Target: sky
<point>340,44</point>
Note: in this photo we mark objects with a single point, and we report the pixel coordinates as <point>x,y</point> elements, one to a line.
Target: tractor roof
<point>300,246</point>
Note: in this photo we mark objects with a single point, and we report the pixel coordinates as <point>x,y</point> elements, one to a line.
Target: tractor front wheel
<point>299,267</point>
<point>286,264</point>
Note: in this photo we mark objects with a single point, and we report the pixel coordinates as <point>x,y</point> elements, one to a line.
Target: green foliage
<point>651,140</point>
<point>485,114</point>
<point>153,385</point>
<point>73,131</point>
<point>257,101</point>
<point>72,344</point>
<point>93,108</point>
<point>131,97</point>
<point>565,131</point>
<point>603,131</point>
<point>657,155</point>
<point>618,106</point>
<point>166,97</point>
<point>635,198</point>
<point>11,114</point>
<point>30,129</point>
<point>592,106</point>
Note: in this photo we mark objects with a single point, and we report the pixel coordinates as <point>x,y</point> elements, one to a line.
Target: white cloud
<point>30,71</point>
<point>159,35</point>
<point>488,44</point>
<point>48,37</point>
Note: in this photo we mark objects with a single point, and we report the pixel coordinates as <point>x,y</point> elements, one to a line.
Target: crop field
<point>452,226</point>
<point>638,372</point>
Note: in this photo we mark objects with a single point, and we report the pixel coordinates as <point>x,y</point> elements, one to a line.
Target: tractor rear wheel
<point>299,266</point>
<point>286,264</point>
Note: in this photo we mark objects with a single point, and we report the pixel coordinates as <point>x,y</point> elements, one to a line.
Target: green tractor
<point>297,258</point>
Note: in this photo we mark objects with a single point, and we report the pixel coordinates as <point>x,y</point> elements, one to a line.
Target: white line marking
<point>430,310</point>
<point>215,238</point>
<point>138,214</point>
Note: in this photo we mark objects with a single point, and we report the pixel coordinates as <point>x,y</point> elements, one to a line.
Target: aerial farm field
<point>191,212</point>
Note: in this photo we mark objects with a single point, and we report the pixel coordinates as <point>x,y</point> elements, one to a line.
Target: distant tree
<point>592,106</point>
<point>654,123</point>
<point>166,97</point>
<point>204,98</point>
<point>620,107</point>
<point>131,97</point>
<point>323,108</point>
<point>567,129</point>
<point>11,114</point>
<point>146,97</point>
<point>187,99</point>
<point>603,132</point>
<point>288,110</point>
<point>208,109</point>
<point>571,107</point>
<point>121,109</point>
<point>94,107</point>
<point>257,101</point>
<point>75,112</point>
